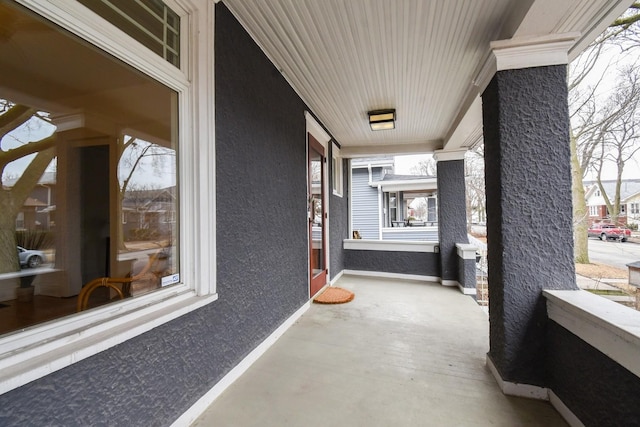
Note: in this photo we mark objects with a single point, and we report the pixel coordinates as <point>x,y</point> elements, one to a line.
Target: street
<point>613,253</point>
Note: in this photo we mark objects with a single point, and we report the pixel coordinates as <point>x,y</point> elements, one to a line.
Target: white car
<point>30,258</point>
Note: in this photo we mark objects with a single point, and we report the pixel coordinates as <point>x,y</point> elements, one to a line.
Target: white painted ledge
<point>606,325</point>
<point>390,245</point>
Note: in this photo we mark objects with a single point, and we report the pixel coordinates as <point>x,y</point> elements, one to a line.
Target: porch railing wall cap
<point>604,324</point>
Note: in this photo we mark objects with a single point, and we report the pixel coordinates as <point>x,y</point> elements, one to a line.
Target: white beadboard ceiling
<point>421,57</point>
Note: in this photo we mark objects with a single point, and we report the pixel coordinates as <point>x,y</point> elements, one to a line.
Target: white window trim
<point>337,183</point>
<point>45,348</point>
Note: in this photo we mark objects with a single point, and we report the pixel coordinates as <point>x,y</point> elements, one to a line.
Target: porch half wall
<point>262,263</point>
<point>417,259</point>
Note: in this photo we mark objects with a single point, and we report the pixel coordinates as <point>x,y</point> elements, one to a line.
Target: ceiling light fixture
<point>382,119</point>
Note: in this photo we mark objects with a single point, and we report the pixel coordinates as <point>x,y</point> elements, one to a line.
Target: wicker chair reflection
<point>121,285</point>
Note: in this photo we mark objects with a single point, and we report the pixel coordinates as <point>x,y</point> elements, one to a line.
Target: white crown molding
<point>314,128</point>
<point>525,52</point>
<point>445,156</point>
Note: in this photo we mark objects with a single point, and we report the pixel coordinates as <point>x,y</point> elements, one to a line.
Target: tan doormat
<point>334,295</point>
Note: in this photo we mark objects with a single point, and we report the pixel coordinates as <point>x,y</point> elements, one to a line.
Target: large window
<point>89,175</point>
<point>150,22</point>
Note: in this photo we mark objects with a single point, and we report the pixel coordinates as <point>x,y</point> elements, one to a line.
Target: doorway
<point>316,212</point>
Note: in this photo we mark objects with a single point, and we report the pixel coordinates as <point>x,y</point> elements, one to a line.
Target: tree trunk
<point>11,201</point>
<point>8,251</point>
<point>580,213</point>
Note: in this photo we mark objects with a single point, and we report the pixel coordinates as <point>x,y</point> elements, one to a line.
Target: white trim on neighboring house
<point>426,184</point>
<point>337,184</point>
<point>45,348</point>
<point>369,163</point>
<point>350,183</point>
<point>381,212</point>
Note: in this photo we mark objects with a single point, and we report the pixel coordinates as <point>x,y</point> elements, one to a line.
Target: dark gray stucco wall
<point>419,263</point>
<point>528,187</point>
<point>262,263</point>
<point>452,215</point>
<point>338,221</point>
<point>467,273</point>
<point>599,391</point>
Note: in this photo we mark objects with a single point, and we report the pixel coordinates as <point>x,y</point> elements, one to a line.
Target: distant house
<point>144,211</point>
<point>387,206</point>
<point>38,209</point>
<point>629,201</point>
<point>632,203</point>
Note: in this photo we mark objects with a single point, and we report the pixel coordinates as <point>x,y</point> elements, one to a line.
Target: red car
<point>609,231</point>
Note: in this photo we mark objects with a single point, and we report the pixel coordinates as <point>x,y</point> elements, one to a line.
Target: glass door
<point>317,216</point>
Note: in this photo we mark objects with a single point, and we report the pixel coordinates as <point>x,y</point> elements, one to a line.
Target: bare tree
<point>133,154</point>
<point>592,125</point>
<point>425,167</point>
<point>12,199</point>
<point>475,188</point>
<point>619,134</point>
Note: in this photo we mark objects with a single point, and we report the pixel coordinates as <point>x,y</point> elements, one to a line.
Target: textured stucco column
<point>529,213</point>
<point>452,214</point>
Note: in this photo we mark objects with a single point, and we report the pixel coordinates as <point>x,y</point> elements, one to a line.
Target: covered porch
<point>401,353</point>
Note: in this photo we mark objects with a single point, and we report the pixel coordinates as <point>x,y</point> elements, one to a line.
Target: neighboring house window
<point>113,134</point>
<point>598,194</point>
<point>150,22</point>
<point>432,209</point>
<point>20,221</point>
<point>170,216</point>
<point>393,208</point>
<point>336,171</point>
<point>635,208</point>
<point>593,211</point>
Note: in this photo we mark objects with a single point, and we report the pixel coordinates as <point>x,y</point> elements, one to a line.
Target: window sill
<point>606,325</point>
<point>40,350</point>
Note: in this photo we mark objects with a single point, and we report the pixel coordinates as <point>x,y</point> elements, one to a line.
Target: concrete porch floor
<point>400,354</point>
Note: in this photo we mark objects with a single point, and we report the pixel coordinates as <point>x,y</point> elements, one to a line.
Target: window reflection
<point>88,163</point>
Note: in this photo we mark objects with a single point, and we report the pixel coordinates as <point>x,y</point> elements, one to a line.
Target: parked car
<point>609,231</point>
<point>30,258</point>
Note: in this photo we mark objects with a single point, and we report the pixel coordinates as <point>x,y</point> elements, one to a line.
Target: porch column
<point>452,208</point>
<point>529,208</point>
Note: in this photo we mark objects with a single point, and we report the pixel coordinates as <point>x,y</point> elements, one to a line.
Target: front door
<point>317,216</point>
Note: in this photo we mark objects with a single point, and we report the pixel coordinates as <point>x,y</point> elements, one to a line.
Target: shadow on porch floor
<point>399,354</point>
